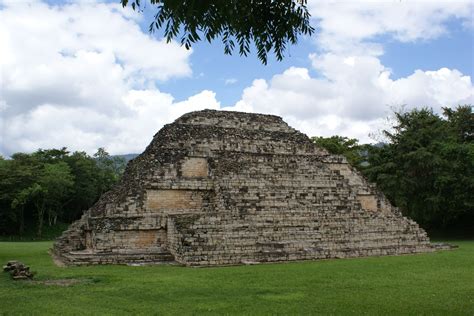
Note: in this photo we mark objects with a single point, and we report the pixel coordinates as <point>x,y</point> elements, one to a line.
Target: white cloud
<point>81,128</point>
<point>354,92</point>
<point>37,33</point>
<point>230,81</point>
<point>353,26</point>
<point>354,96</point>
<point>67,77</point>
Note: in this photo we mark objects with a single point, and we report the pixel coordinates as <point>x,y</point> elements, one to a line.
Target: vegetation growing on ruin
<point>439,283</point>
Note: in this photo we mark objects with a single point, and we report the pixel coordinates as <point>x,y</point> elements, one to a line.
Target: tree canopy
<point>52,185</point>
<point>427,168</point>
<point>355,153</point>
<point>269,24</point>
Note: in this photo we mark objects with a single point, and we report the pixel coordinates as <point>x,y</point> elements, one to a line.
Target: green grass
<point>438,283</point>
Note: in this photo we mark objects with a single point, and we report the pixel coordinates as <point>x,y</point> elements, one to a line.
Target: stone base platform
<point>90,257</point>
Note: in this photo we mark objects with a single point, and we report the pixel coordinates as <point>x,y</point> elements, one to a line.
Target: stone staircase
<point>138,257</point>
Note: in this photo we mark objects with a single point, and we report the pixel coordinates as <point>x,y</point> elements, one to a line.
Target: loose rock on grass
<point>18,270</point>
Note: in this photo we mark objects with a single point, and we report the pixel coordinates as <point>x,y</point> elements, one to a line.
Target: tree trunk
<point>21,228</point>
<point>40,224</point>
<point>40,209</point>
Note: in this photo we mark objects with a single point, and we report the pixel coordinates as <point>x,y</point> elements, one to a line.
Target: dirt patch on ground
<point>55,258</point>
<point>61,282</point>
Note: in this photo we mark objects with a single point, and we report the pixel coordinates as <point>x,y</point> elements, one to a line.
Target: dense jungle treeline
<point>48,187</point>
<point>425,167</point>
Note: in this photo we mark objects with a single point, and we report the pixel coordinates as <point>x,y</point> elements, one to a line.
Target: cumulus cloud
<point>356,26</point>
<point>353,97</point>
<point>230,81</point>
<point>354,93</point>
<point>83,128</point>
<point>69,79</point>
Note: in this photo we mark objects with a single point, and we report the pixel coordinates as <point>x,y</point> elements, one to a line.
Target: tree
<point>57,182</point>
<point>461,122</point>
<point>270,24</point>
<point>36,194</point>
<point>110,169</point>
<point>16,175</point>
<point>20,199</point>
<point>51,155</point>
<point>355,154</point>
<point>52,184</point>
<point>85,190</point>
<point>49,192</point>
<point>427,169</point>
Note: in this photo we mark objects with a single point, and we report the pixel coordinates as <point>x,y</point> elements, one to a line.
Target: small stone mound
<point>18,270</point>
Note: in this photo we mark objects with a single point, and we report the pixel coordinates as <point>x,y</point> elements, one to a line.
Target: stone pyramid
<point>224,188</point>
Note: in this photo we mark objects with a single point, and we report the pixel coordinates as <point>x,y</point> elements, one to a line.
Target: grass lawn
<point>438,283</point>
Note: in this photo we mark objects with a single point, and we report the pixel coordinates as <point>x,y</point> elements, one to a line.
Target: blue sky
<point>454,50</point>
<point>87,74</point>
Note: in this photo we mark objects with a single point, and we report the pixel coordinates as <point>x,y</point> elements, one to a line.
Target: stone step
<point>133,257</point>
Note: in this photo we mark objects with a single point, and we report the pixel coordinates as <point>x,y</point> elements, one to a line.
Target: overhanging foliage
<point>270,24</point>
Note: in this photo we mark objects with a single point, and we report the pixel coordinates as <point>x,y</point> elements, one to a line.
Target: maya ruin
<point>225,188</point>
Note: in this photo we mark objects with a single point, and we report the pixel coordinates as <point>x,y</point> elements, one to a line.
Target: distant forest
<point>52,187</point>
<point>426,168</point>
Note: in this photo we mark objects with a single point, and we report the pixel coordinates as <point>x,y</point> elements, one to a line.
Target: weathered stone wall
<point>217,188</point>
<point>165,200</point>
